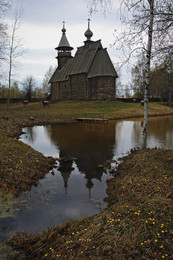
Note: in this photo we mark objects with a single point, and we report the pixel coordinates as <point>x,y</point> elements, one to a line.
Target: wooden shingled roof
<point>94,61</point>
<point>102,65</point>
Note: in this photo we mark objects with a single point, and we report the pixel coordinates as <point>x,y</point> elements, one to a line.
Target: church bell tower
<point>64,49</point>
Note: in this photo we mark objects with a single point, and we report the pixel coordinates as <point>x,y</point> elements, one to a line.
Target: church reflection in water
<point>88,146</point>
<point>83,148</point>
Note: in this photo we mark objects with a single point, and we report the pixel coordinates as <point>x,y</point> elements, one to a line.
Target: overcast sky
<point>41,26</point>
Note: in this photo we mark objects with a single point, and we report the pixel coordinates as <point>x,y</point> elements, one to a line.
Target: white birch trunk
<point>147,80</point>
<point>13,49</point>
<point>9,78</point>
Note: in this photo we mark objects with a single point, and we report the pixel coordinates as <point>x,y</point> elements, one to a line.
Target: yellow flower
<point>155,240</point>
<point>161,246</point>
<point>118,220</point>
<point>142,244</point>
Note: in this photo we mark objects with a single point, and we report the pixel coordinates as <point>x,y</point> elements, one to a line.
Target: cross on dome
<point>63,29</point>
<point>88,34</point>
<point>89,23</point>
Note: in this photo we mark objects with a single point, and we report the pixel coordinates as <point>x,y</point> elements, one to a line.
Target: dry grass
<point>21,166</point>
<point>19,115</point>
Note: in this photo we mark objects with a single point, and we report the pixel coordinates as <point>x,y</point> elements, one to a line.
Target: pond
<point>76,189</point>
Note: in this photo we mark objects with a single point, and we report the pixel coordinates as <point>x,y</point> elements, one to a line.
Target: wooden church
<point>90,74</point>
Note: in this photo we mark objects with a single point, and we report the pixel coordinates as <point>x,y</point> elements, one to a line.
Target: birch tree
<point>148,65</point>
<point>15,49</point>
<point>4,5</point>
<point>149,31</point>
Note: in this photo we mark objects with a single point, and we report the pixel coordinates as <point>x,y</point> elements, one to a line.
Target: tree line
<point>11,48</point>
<point>27,89</point>
<point>161,78</point>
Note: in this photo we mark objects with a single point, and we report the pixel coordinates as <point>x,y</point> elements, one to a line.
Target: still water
<point>78,189</point>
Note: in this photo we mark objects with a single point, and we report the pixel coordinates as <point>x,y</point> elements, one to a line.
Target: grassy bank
<point>136,225</point>
<point>20,115</point>
<point>21,166</point>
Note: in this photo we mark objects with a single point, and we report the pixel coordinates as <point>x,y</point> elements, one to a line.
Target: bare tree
<point>149,25</point>
<point>150,30</point>
<point>138,74</point>
<point>15,48</point>
<point>104,5</point>
<point>4,5</point>
<point>47,76</point>
<point>148,65</point>
<point>28,84</point>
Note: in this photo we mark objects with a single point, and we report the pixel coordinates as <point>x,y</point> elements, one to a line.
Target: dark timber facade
<point>90,74</point>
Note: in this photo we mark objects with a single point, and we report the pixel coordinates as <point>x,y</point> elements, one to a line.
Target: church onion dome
<point>88,34</point>
<point>64,44</point>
